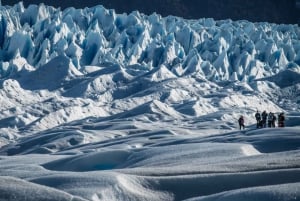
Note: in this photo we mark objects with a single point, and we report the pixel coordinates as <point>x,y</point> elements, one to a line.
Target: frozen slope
<point>97,105</point>
<point>155,164</point>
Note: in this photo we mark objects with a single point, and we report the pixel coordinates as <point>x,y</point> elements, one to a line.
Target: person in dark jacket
<point>258,119</point>
<point>270,119</point>
<point>273,121</point>
<point>241,122</point>
<point>264,116</point>
<point>281,120</point>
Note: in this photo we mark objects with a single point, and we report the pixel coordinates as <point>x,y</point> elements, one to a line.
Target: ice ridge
<point>214,50</point>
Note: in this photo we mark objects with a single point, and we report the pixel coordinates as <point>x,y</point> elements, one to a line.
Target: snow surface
<point>97,105</point>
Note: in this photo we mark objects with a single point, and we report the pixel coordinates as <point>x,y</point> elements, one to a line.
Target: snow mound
<point>270,193</point>
<point>17,189</point>
<point>50,76</point>
<point>105,160</point>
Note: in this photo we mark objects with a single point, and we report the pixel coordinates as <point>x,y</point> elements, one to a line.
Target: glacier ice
<point>95,57</point>
<point>216,50</point>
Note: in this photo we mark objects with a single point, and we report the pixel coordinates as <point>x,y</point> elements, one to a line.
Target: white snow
<point>97,105</point>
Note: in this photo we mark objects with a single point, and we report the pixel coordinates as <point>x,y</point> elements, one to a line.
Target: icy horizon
<point>97,105</point>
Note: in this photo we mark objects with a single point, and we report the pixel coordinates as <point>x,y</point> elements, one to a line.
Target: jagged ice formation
<point>58,66</point>
<point>215,50</point>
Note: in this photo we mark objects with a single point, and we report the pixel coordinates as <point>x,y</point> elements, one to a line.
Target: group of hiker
<point>264,120</point>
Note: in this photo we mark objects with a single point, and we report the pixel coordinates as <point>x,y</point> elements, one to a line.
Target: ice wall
<point>215,50</point>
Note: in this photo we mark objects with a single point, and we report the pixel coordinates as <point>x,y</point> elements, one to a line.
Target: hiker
<point>270,119</point>
<point>273,121</point>
<point>264,118</point>
<point>281,119</point>
<point>258,119</point>
<point>241,122</point>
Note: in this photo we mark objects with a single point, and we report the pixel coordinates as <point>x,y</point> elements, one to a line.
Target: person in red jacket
<point>281,120</point>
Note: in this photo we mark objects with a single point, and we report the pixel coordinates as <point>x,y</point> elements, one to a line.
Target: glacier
<point>97,105</point>
<point>219,50</point>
